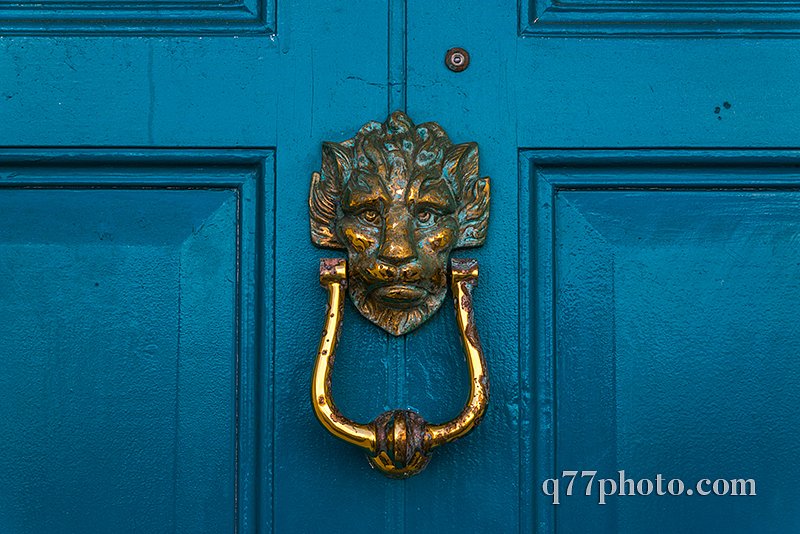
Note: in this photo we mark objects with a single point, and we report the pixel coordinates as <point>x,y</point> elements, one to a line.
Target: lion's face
<point>398,198</point>
<point>398,230</point>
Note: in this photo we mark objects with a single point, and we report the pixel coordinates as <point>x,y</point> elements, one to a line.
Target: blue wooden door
<point>159,298</point>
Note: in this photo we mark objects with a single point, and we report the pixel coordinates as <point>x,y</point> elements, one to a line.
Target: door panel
<point>129,342</point>
<point>653,17</point>
<point>104,17</point>
<point>670,282</point>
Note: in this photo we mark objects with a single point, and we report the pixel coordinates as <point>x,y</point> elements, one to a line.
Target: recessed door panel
<point>672,346</point>
<point>125,347</point>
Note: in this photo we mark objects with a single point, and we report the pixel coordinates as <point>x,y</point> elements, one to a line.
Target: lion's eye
<point>426,217</point>
<point>370,216</point>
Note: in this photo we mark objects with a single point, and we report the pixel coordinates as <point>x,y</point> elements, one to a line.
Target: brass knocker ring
<point>399,442</point>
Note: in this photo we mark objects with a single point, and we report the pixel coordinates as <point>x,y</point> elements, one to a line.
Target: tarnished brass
<point>399,442</point>
<point>399,197</point>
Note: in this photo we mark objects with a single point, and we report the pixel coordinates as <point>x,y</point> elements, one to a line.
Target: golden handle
<point>333,276</point>
<point>399,442</point>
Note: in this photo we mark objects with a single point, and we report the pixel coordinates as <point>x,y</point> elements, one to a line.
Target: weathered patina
<point>399,198</point>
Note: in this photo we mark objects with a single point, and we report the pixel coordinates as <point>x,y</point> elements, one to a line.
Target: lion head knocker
<point>399,198</point>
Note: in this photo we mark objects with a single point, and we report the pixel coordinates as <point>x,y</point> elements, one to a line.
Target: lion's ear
<point>461,166</point>
<point>325,195</point>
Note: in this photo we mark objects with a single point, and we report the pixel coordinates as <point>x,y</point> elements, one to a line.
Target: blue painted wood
<point>669,344</point>
<point>576,97</point>
<point>652,17</point>
<point>130,339</point>
<point>149,17</point>
<point>220,112</point>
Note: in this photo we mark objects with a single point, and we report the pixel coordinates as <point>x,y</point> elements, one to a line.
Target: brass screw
<point>457,59</point>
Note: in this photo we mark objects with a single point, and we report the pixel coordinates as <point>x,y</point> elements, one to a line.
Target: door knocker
<point>399,197</point>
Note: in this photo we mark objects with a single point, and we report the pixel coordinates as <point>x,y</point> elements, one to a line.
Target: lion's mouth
<point>400,295</point>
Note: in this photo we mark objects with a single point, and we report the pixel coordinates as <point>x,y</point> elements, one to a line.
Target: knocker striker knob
<point>402,443</point>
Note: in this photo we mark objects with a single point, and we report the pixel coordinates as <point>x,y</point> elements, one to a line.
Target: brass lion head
<point>399,198</point>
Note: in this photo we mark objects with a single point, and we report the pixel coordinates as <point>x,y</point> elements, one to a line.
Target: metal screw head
<point>457,59</point>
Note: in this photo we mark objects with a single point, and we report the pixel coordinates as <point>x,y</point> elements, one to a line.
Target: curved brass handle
<point>399,442</point>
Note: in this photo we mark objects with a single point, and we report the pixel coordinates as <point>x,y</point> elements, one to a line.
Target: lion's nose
<point>397,247</point>
<point>396,252</point>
